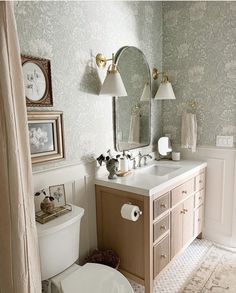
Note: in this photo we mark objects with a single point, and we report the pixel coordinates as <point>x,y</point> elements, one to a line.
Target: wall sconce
<point>165,90</point>
<point>113,84</point>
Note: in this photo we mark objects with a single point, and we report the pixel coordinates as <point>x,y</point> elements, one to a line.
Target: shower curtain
<point>19,260</point>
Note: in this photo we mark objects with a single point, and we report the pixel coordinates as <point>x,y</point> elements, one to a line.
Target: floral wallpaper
<point>70,34</point>
<point>199,52</point>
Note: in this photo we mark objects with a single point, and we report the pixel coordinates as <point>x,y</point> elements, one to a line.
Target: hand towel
<point>189,131</point>
<point>134,130</point>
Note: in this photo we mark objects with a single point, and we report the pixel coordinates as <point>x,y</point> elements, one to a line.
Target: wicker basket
<point>106,257</point>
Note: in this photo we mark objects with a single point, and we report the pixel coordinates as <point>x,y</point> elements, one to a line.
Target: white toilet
<point>59,249</point>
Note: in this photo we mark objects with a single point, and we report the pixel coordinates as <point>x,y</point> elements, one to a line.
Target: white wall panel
<point>220,208</point>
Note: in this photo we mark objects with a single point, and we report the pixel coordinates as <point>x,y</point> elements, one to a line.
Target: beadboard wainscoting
<point>220,208</point>
<point>79,188</point>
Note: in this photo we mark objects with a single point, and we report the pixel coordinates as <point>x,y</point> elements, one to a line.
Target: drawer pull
<point>182,212</point>
<point>184,192</point>
<point>200,181</point>
<point>163,255</point>
<point>163,227</point>
<point>200,198</point>
<point>185,210</point>
<point>163,205</point>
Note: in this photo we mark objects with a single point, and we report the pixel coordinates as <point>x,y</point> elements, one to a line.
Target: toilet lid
<point>98,278</point>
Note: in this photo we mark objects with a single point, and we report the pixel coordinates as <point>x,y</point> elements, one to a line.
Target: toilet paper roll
<point>130,212</point>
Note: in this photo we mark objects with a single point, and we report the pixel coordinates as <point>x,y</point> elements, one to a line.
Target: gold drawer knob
<point>163,227</point>
<point>163,205</point>
<point>163,255</point>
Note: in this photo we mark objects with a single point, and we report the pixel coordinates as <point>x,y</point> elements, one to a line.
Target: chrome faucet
<point>134,163</point>
<point>144,157</point>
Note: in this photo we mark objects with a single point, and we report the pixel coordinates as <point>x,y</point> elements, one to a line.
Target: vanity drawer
<point>161,227</point>
<point>161,255</point>
<point>161,205</point>
<point>200,181</point>
<point>181,192</point>
<point>199,198</point>
<point>198,220</point>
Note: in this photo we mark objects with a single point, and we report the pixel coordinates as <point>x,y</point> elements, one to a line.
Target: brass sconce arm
<point>156,73</point>
<point>101,60</point>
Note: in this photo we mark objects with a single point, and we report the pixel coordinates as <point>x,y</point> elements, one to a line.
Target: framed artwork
<point>58,193</point>
<point>37,81</point>
<point>45,136</point>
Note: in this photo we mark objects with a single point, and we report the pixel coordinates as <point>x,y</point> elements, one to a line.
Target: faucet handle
<point>145,158</point>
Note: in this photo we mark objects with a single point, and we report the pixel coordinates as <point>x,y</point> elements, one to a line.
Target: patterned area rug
<point>216,273</point>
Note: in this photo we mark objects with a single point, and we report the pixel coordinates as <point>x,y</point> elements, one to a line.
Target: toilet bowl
<point>59,250</point>
<point>91,278</point>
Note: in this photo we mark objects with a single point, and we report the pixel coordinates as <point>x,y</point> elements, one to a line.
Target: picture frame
<point>59,195</point>
<point>46,136</point>
<point>37,81</point>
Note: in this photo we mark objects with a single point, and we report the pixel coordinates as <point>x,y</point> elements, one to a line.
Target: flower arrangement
<point>47,205</point>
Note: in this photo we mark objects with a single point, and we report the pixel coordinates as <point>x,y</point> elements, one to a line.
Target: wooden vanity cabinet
<point>182,225</point>
<point>170,221</point>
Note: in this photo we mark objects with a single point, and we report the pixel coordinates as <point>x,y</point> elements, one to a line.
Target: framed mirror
<point>133,112</point>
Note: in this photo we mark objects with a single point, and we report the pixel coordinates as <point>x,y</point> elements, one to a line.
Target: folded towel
<point>134,129</point>
<point>189,131</point>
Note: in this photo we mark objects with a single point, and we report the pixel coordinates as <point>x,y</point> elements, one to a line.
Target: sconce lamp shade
<point>146,93</point>
<point>113,85</point>
<point>165,91</point>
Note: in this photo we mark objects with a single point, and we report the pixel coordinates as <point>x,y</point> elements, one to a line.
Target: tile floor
<point>172,279</point>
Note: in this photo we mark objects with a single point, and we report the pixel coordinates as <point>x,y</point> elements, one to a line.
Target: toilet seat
<point>96,278</point>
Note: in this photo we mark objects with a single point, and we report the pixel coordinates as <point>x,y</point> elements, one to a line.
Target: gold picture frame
<point>46,136</point>
<point>37,81</point>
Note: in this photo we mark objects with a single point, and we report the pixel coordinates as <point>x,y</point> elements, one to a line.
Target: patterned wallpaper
<point>199,52</point>
<point>71,34</point>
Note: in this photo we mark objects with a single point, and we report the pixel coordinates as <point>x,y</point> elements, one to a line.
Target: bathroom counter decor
<point>153,177</point>
<point>43,218</point>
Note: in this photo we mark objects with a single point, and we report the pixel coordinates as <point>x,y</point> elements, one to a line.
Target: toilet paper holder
<point>139,212</point>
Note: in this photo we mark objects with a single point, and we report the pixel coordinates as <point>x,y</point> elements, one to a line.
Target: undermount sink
<point>159,170</point>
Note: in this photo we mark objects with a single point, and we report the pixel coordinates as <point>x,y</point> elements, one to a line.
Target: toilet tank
<point>59,242</point>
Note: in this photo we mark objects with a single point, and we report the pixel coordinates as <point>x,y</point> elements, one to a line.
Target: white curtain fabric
<point>19,259</point>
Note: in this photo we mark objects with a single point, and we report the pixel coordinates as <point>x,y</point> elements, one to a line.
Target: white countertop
<point>141,181</point>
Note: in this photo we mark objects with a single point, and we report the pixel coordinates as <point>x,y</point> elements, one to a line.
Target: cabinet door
<point>188,220</point>
<point>176,229</point>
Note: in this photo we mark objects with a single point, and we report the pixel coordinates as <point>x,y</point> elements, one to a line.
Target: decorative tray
<point>43,218</point>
